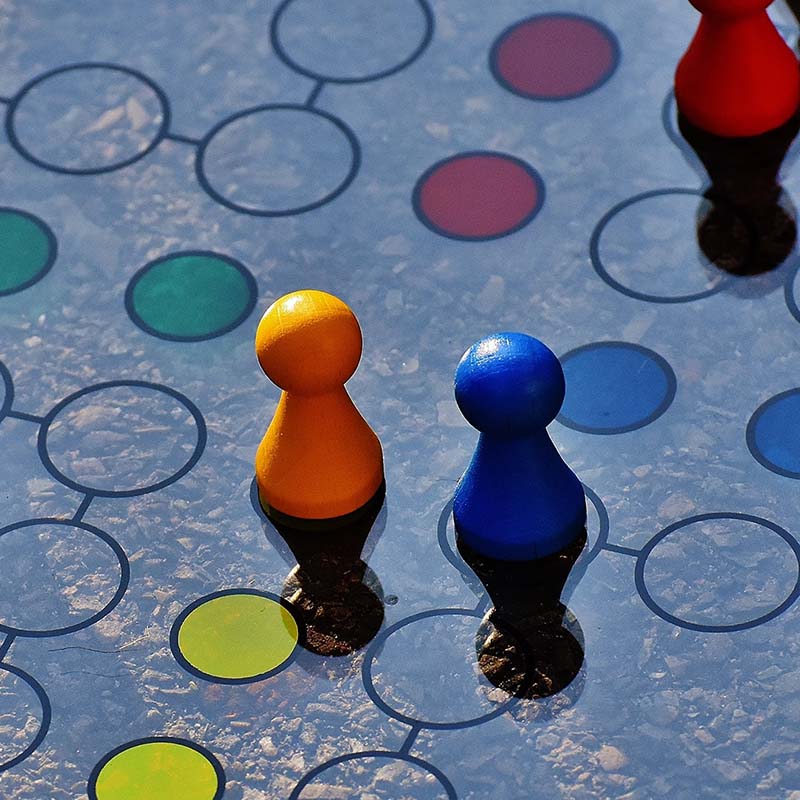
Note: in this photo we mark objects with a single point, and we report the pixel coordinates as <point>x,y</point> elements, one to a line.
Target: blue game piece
<point>517,500</point>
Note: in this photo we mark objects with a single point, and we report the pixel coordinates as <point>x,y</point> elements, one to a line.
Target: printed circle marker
<point>27,250</point>
<point>235,636</point>
<point>157,768</point>
<point>615,387</point>
<point>773,434</point>
<point>191,296</point>
<point>478,195</point>
<point>554,56</point>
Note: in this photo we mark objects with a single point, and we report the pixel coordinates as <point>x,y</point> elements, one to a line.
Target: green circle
<point>191,296</point>
<point>237,636</point>
<point>157,770</point>
<point>27,250</point>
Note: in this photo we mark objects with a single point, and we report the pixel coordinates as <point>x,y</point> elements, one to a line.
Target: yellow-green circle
<point>27,250</point>
<point>157,771</point>
<point>238,636</point>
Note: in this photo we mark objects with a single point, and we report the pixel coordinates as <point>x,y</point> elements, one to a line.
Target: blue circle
<point>615,387</point>
<point>773,434</point>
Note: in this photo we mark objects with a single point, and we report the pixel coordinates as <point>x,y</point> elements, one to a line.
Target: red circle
<point>555,56</point>
<point>478,196</point>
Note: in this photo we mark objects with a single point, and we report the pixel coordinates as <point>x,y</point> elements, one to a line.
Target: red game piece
<point>738,77</point>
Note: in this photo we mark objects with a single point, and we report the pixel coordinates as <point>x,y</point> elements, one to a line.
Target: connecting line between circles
<point>26,417</point>
<point>618,548</point>
<point>177,137</point>
<point>4,647</point>
<point>483,603</point>
<point>314,94</point>
<point>83,507</point>
<point>408,742</point>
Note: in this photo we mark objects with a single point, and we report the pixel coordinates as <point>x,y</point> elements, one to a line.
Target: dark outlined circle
<point>374,651</point>
<point>785,409</point>
<point>791,292</point>
<point>8,391</point>
<point>283,55</point>
<point>124,578</point>
<point>180,295</point>
<point>458,180</point>
<point>444,528</point>
<point>202,436</point>
<point>631,419</point>
<point>219,772</point>
<point>417,762</point>
<point>44,723</point>
<point>219,197</point>
<point>597,262</point>
<point>13,106</point>
<point>528,33</point>
<point>48,240</point>
<point>193,670</point>
<point>650,602</point>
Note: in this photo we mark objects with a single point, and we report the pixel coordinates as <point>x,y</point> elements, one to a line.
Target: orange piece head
<point>308,342</point>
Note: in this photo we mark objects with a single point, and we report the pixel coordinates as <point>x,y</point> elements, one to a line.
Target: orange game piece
<point>319,458</point>
<point>738,77</point>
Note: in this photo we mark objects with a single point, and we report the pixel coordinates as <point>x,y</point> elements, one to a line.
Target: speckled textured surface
<point>659,709</point>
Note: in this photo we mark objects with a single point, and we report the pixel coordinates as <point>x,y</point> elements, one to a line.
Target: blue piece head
<point>509,384</point>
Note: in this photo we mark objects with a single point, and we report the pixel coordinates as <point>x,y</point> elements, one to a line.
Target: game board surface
<point>449,169</point>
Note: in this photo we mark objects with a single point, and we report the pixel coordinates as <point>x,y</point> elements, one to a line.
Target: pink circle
<point>554,56</point>
<point>478,195</point>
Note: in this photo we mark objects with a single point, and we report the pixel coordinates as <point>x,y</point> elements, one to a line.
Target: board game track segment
<point>11,632</point>
<point>16,102</point>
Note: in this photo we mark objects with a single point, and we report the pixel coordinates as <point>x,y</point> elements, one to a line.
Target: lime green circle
<point>157,771</point>
<point>238,636</point>
<point>26,248</point>
<point>192,296</point>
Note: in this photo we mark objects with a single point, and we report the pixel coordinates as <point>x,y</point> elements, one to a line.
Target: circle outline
<point>750,435</point>
<point>387,754</point>
<point>160,135</point>
<point>196,603</point>
<point>616,55</point>
<point>52,250</point>
<point>8,399</point>
<point>283,55</point>
<point>789,294</point>
<point>250,281</point>
<point>94,775</point>
<point>372,692</point>
<point>599,267</point>
<point>663,406</point>
<point>124,579</point>
<point>649,601</point>
<point>47,421</point>
<point>44,724</point>
<point>205,183</point>
<point>416,194</point>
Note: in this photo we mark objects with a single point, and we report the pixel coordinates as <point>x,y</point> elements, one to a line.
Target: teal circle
<point>27,250</point>
<point>191,296</point>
